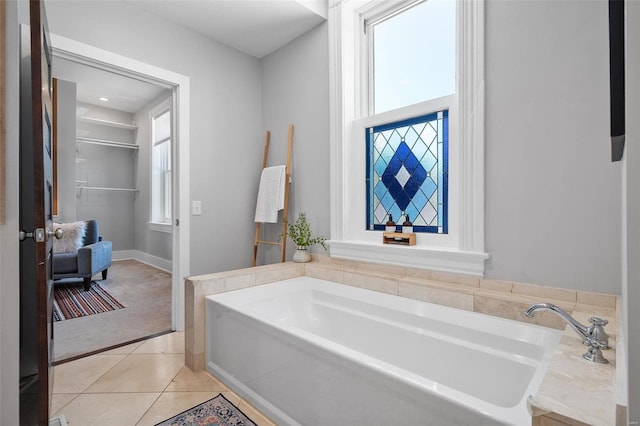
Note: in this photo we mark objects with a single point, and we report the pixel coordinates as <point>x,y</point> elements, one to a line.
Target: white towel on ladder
<point>270,194</point>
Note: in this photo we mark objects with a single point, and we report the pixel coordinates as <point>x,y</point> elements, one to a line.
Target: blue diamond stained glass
<point>407,173</point>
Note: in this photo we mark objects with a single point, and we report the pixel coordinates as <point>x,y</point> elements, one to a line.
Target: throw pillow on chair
<point>72,237</point>
<point>81,252</point>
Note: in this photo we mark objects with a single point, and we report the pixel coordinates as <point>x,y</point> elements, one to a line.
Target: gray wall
<point>295,90</point>
<point>66,150</point>
<point>109,167</point>
<point>552,196</point>
<point>155,243</point>
<point>552,199</point>
<point>225,116</point>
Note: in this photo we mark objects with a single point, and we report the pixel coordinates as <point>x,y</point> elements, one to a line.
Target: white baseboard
<point>149,259</point>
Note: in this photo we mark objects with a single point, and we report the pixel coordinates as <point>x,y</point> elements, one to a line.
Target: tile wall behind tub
<point>198,287</point>
<point>504,299</point>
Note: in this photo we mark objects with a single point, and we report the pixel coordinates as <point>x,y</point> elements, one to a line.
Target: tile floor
<point>139,384</point>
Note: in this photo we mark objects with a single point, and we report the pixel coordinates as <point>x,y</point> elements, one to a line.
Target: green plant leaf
<point>300,233</point>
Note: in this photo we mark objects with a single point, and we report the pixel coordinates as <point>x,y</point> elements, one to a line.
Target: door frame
<point>103,59</point>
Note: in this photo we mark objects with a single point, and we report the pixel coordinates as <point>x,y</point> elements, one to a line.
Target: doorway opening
<point>112,182</point>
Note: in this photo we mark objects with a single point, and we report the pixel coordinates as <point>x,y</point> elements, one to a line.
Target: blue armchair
<point>93,257</point>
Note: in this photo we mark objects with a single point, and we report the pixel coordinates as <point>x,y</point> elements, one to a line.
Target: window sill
<point>445,259</point>
<point>161,227</point>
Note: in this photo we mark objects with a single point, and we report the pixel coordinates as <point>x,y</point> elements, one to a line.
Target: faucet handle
<point>598,321</point>
<point>596,331</point>
<point>594,342</point>
<point>594,354</point>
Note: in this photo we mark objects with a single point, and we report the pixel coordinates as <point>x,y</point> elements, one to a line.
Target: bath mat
<point>214,412</point>
<point>71,301</point>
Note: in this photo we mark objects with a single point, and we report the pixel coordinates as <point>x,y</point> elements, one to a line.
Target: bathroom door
<point>36,219</point>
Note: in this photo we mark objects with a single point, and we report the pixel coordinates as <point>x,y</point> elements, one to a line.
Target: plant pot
<point>302,255</point>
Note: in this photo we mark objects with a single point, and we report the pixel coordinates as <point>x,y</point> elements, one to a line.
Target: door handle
<point>39,234</point>
<point>58,233</point>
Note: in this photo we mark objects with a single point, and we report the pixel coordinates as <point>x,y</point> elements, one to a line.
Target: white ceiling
<point>124,93</point>
<point>256,27</point>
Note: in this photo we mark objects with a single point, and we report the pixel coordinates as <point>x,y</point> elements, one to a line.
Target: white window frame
<point>462,250</point>
<point>160,109</point>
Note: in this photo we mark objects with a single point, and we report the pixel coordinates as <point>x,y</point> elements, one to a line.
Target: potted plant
<point>300,234</point>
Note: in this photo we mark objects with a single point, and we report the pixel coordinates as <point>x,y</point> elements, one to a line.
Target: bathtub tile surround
<point>236,283</point>
<point>434,294</point>
<point>494,297</point>
<point>372,281</point>
<point>364,266</point>
<point>496,285</point>
<point>325,271</point>
<point>510,307</point>
<point>545,292</point>
<point>448,277</point>
<point>269,275</point>
<point>590,386</point>
<point>596,299</point>
<point>197,288</point>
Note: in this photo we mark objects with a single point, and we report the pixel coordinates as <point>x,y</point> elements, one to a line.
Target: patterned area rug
<point>71,301</point>
<point>214,412</point>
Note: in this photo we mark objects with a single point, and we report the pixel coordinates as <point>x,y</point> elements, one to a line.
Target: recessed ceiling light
<point>103,99</point>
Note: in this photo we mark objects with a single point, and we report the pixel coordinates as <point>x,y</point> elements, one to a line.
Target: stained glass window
<point>407,173</point>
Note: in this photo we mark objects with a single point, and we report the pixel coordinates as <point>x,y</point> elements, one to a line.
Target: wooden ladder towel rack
<point>282,242</point>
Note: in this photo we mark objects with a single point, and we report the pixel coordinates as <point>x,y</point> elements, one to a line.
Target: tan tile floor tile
<point>76,376</point>
<point>108,409</point>
<point>254,414</point>
<point>60,400</point>
<point>202,381</point>
<point>232,397</point>
<point>172,343</point>
<point>137,389</point>
<point>171,403</point>
<point>140,373</point>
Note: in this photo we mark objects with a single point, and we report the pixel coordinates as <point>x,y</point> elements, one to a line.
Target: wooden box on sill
<point>399,238</point>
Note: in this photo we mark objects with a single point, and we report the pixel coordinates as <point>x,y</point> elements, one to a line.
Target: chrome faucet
<point>594,336</point>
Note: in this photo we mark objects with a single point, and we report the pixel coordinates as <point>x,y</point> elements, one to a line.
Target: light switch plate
<point>196,208</point>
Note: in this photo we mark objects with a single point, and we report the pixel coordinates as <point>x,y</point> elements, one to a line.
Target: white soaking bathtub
<point>313,352</point>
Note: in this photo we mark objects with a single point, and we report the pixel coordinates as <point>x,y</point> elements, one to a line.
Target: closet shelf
<point>81,187</point>
<point>102,188</point>
<point>116,124</point>
<point>107,143</point>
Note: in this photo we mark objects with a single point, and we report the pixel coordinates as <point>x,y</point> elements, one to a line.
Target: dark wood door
<point>36,220</point>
